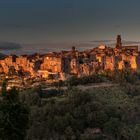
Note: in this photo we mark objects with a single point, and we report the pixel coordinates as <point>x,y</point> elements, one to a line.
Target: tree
<point>4,86</point>
<point>69,134</point>
<point>40,94</point>
<point>136,132</point>
<point>113,127</point>
<point>73,81</point>
<point>50,77</point>
<point>14,117</point>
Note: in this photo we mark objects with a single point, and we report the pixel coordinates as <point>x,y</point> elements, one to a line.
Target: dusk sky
<point>68,21</point>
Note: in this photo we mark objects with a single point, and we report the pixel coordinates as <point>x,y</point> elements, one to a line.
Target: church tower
<point>119,42</point>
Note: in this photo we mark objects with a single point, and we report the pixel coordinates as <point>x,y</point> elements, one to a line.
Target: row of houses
<point>74,62</point>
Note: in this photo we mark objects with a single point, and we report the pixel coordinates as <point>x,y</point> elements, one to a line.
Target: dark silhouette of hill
<point>9,46</point>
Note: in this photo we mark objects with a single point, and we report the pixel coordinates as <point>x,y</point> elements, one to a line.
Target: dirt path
<point>86,87</point>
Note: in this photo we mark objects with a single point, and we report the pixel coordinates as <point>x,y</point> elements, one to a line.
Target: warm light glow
<point>120,65</point>
<point>102,47</point>
<point>133,63</point>
<point>99,58</point>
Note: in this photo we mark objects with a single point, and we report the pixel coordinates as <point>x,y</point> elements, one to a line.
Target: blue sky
<point>68,21</point>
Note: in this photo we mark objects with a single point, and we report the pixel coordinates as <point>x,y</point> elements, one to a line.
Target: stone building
<point>52,62</point>
<point>74,62</point>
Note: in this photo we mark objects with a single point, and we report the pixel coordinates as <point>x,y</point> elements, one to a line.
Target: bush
<point>111,110</point>
<point>74,81</point>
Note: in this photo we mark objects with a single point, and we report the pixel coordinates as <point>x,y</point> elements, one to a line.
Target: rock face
<point>74,62</point>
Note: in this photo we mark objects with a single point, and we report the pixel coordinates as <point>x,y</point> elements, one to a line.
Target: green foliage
<point>111,113</point>
<point>110,110</point>
<point>125,77</point>
<point>136,132</point>
<point>4,87</point>
<point>74,81</point>
<point>50,77</point>
<point>31,96</point>
<point>59,84</point>
<point>14,117</point>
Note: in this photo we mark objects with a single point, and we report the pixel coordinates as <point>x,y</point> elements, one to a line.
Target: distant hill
<point>9,46</point>
<point>2,55</point>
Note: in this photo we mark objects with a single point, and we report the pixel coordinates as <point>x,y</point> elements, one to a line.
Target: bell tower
<point>119,42</point>
<point>73,48</point>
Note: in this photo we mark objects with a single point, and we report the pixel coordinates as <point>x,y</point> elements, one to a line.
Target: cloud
<point>99,41</point>
<point>15,48</point>
<point>110,42</point>
<point>131,42</point>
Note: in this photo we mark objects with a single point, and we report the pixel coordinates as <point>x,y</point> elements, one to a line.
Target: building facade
<point>74,62</point>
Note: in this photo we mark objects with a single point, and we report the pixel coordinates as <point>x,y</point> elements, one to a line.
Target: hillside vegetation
<point>98,113</point>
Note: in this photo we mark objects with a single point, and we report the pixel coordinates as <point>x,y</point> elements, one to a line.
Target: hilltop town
<point>62,65</point>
